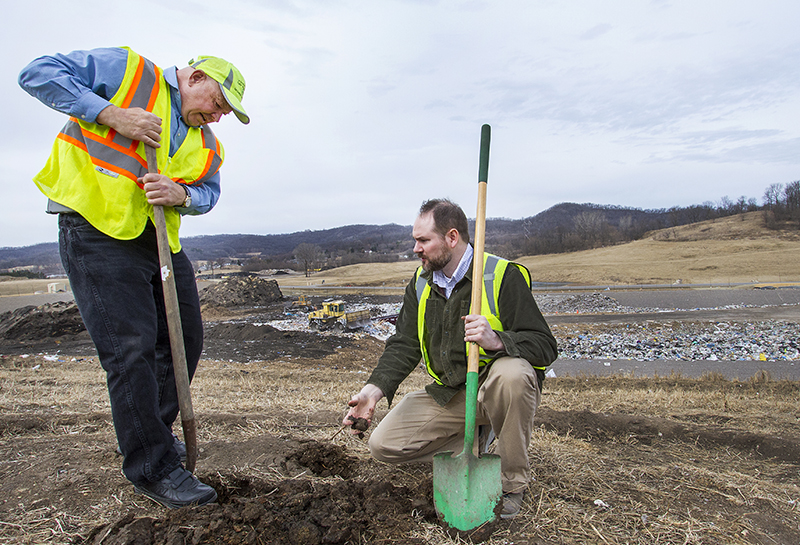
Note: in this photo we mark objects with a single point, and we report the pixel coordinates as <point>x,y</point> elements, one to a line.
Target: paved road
<point>741,370</point>
<point>13,302</point>
<point>789,313</point>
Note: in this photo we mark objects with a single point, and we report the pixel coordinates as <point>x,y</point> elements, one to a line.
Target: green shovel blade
<point>466,489</point>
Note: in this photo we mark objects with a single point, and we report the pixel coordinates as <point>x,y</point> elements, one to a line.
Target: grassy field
<point>617,460</point>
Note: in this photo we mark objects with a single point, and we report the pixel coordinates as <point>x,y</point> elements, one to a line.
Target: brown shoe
<point>512,502</point>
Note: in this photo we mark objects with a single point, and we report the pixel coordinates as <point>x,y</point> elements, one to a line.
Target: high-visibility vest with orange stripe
<point>93,170</point>
<point>494,269</point>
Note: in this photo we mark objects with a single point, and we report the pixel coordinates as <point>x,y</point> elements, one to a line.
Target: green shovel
<point>467,489</point>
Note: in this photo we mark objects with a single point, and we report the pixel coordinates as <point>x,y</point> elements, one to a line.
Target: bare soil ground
<point>617,459</point>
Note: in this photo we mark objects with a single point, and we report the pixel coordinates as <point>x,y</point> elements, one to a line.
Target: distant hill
<point>43,256</point>
<point>357,237</point>
<point>551,231</point>
<point>731,250</point>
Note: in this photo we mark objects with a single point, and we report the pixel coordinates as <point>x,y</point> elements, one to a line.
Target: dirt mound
<point>241,291</point>
<point>33,323</point>
<point>291,511</point>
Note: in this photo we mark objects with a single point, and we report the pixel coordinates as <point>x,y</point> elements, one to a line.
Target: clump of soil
<point>241,291</point>
<point>360,424</point>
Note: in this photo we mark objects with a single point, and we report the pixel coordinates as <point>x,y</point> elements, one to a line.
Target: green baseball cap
<point>230,81</point>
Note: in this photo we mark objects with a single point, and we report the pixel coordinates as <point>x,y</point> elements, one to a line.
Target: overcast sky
<point>363,109</point>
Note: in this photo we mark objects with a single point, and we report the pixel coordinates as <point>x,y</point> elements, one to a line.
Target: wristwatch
<point>187,202</point>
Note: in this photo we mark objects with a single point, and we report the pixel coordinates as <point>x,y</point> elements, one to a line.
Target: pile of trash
<point>691,341</point>
<point>582,303</point>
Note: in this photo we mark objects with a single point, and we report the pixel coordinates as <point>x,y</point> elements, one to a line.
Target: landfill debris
<point>598,303</point>
<point>380,329</point>
<point>582,303</point>
<point>769,340</point>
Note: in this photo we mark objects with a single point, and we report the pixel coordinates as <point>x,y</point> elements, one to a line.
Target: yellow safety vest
<point>494,268</point>
<point>93,170</point>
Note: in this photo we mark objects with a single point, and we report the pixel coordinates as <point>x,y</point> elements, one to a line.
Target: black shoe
<point>180,446</point>
<point>178,489</point>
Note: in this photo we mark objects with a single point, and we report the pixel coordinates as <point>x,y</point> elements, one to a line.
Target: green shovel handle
<point>483,168</point>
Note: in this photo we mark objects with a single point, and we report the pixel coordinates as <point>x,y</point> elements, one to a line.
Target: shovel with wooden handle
<point>181,370</point>
<point>467,489</point>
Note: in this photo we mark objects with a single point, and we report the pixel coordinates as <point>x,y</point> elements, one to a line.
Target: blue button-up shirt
<point>81,83</point>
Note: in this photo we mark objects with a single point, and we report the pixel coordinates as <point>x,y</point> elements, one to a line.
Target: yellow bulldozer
<point>302,303</point>
<point>333,316</point>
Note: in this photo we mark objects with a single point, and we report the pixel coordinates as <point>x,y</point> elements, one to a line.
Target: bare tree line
<point>575,228</point>
<point>782,205</point>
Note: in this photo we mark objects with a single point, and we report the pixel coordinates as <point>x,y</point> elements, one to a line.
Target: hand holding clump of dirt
<point>362,407</point>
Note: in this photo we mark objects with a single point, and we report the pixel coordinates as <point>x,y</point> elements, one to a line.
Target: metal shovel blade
<point>466,489</point>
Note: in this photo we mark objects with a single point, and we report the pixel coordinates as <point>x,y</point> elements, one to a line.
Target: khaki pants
<point>418,427</point>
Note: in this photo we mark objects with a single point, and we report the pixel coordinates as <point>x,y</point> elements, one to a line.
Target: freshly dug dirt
<point>291,511</point>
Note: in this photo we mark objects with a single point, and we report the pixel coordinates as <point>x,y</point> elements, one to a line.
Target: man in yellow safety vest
<point>97,181</point>
<point>434,326</point>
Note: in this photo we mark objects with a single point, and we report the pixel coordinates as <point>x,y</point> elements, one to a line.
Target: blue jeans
<point>117,286</point>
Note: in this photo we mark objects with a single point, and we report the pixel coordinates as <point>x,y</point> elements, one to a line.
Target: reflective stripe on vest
<point>494,269</point>
<point>107,147</point>
<point>91,165</point>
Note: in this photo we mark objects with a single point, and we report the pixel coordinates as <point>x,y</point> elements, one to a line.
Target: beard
<point>437,262</point>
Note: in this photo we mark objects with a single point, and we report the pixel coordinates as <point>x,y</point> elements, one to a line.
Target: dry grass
<point>736,249</point>
<point>610,488</point>
<point>11,286</point>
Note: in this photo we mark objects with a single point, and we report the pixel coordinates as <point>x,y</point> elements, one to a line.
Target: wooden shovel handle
<point>181,370</point>
<point>480,235</point>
